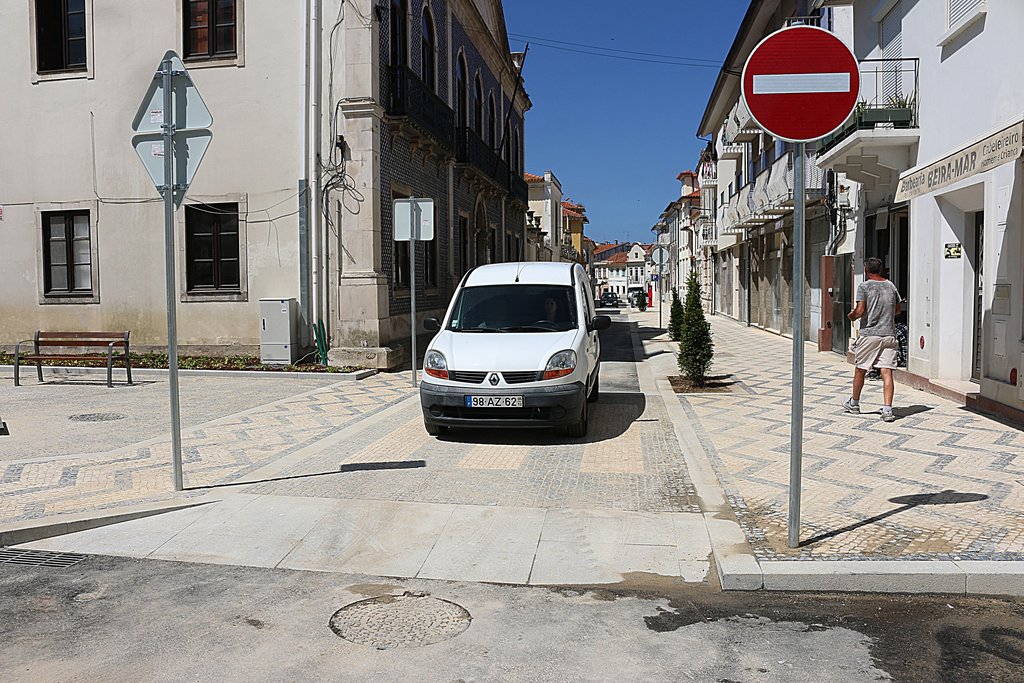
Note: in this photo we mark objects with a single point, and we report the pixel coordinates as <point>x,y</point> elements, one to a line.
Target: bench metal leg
<point>17,368</point>
<point>39,370</point>
<point>110,370</point>
<point>128,363</point>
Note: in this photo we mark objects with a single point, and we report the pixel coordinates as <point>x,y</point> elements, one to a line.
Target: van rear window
<point>514,308</point>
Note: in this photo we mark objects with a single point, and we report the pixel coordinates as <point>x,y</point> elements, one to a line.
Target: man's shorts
<point>875,352</point>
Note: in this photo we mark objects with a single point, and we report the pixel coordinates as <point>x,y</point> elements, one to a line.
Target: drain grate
<point>97,417</point>
<point>39,558</point>
<point>400,621</point>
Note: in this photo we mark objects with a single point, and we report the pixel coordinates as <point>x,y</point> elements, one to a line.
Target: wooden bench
<point>71,340</point>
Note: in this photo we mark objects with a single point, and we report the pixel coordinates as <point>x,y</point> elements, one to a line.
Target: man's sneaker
<point>851,407</point>
<point>888,416</point>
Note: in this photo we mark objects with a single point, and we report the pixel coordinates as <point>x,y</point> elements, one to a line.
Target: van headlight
<point>560,365</point>
<point>435,365</point>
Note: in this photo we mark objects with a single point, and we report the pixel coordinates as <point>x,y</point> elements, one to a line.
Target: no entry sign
<point>801,83</point>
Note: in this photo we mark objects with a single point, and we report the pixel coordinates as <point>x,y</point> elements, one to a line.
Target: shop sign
<point>1004,146</point>
<point>954,250</point>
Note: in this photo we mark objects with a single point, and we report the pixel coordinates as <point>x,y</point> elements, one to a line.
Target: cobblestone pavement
<point>249,423</point>
<point>940,482</point>
<point>628,461</point>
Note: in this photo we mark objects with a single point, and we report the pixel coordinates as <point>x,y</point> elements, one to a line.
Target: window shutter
<point>958,9</point>
<point>891,42</point>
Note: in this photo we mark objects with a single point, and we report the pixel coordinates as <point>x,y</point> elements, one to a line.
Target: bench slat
<point>80,342</point>
<point>55,356</point>
<point>82,335</point>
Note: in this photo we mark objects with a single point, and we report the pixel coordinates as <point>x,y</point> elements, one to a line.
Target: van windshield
<point>514,308</point>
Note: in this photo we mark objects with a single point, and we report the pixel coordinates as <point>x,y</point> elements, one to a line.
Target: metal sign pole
<point>172,322</point>
<point>797,415</point>
<point>661,264</point>
<point>414,232</point>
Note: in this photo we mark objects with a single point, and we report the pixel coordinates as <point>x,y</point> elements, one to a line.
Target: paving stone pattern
<point>630,460</point>
<point>216,452</point>
<point>940,482</point>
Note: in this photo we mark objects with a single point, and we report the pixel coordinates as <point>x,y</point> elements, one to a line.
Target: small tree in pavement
<point>641,300</point>
<point>675,320</point>
<point>696,349</point>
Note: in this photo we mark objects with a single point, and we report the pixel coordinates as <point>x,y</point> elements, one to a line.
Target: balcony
<point>732,152</point>
<point>419,113</point>
<point>748,130</point>
<point>477,154</point>
<point>520,189</point>
<point>877,141</point>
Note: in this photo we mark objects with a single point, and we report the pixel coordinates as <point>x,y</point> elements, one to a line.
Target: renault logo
<point>494,379</point>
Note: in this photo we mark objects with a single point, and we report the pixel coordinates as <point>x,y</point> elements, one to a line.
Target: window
<point>427,52</point>
<point>461,94</point>
<point>398,37</point>
<point>478,106</point>
<point>212,249</point>
<point>60,35</point>
<point>401,271</point>
<point>67,253</point>
<point>492,123</point>
<point>210,29</point>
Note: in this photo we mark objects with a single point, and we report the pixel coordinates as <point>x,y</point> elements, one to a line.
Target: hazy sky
<point>616,132</point>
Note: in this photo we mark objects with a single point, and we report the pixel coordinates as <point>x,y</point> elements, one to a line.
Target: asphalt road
<point>115,619</point>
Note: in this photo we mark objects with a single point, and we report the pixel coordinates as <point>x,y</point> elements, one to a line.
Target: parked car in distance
<point>610,300</point>
<point>518,347</point>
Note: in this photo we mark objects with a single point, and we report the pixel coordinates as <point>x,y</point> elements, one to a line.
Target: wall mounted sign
<point>997,149</point>
<point>954,250</point>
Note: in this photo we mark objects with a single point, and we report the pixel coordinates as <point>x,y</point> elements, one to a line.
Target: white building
<point>324,113</point>
<point>546,207</point>
<point>935,151</point>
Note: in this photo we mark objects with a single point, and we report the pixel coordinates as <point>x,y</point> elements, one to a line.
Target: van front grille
<point>522,377</point>
<point>467,376</point>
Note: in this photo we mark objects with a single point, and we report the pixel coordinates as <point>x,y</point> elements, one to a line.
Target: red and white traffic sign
<point>801,83</point>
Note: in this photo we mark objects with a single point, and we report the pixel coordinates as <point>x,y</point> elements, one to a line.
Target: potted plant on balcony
<point>898,111</point>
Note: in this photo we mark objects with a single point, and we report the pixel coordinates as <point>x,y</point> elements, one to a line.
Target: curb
<point>16,534</point>
<point>159,372</point>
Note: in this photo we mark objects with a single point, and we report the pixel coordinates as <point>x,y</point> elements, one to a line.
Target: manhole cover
<point>393,621</point>
<point>39,558</point>
<point>97,417</point>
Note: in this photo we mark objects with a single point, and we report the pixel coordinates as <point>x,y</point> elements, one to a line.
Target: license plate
<point>494,401</point>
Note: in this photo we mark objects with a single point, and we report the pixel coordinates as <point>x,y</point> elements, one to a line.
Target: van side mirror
<point>432,324</point>
<point>601,322</point>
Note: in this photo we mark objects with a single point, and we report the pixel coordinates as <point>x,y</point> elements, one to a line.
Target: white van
<point>518,347</point>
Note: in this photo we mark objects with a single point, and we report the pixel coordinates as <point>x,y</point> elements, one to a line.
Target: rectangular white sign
<point>413,219</point>
<point>789,84</point>
<point>1004,146</point>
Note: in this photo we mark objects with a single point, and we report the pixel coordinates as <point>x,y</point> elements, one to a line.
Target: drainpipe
<point>304,308</point>
<point>313,157</point>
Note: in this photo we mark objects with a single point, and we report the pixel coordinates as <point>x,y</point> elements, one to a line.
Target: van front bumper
<point>546,406</point>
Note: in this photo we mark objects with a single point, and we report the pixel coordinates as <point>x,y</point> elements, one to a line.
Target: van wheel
<point>580,428</point>
<point>595,391</point>
<point>432,429</point>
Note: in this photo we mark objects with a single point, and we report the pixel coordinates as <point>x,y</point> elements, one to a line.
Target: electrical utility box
<point>278,331</point>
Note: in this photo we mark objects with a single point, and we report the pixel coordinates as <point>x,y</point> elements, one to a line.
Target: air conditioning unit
<point>278,330</point>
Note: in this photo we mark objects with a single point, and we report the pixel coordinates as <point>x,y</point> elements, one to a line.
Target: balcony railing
<point>888,99</point>
<point>520,189</point>
<point>470,149</point>
<point>410,97</point>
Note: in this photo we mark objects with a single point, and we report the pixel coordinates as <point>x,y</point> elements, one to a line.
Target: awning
<point>989,152</point>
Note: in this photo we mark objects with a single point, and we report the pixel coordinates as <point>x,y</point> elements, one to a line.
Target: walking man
<point>877,305</point>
